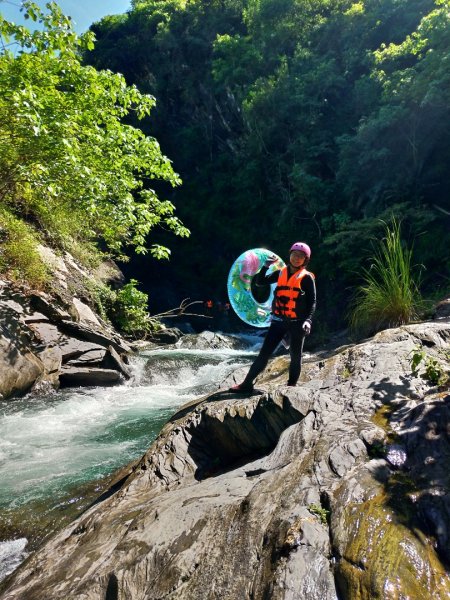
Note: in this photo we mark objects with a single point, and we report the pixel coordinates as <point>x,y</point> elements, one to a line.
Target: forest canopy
<point>314,120</point>
<point>296,119</point>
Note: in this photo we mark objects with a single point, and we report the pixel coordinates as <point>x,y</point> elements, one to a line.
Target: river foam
<point>12,553</point>
<point>77,435</point>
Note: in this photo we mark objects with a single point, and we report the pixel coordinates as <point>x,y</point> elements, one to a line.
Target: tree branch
<point>446,212</point>
<point>180,311</point>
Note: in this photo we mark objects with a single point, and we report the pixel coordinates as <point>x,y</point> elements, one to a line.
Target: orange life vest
<point>287,291</point>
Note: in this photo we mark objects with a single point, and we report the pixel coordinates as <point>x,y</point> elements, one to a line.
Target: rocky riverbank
<point>54,338</point>
<point>338,488</point>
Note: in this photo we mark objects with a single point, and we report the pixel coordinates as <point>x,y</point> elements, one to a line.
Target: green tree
<point>295,119</point>
<point>70,164</point>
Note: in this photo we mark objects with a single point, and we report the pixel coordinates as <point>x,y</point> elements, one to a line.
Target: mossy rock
<point>386,559</point>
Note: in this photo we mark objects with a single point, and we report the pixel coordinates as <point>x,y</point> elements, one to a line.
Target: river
<point>59,450</point>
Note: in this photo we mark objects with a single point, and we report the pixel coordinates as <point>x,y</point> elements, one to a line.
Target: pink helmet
<point>301,247</point>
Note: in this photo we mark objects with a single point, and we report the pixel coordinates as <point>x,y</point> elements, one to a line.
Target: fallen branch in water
<point>185,304</point>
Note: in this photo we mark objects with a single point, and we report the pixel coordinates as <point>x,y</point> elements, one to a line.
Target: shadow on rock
<point>418,488</point>
<point>387,390</point>
<point>246,429</point>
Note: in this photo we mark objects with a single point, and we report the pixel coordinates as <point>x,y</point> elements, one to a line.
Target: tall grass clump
<point>389,295</point>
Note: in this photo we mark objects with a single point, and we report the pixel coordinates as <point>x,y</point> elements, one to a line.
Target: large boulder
<point>102,338</point>
<point>289,493</point>
<point>166,335</point>
<point>109,273</point>
<point>99,357</point>
<point>40,334</point>
<point>75,376</point>
<point>51,358</point>
<point>86,315</point>
<point>19,369</point>
<point>210,340</point>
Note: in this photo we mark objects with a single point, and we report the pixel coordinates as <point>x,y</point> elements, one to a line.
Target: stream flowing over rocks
<point>335,489</point>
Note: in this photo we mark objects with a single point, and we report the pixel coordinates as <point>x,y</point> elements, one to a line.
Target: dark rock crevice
<point>112,591</point>
<point>221,441</point>
<point>217,437</point>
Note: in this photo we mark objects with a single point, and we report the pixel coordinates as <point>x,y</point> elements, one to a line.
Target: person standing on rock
<point>292,311</point>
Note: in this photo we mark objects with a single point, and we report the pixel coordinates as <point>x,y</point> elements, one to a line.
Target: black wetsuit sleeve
<point>306,302</point>
<point>261,279</point>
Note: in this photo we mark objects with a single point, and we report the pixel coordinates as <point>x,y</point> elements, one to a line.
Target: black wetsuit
<point>279,327</point>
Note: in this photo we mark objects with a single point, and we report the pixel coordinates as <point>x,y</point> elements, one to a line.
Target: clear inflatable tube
<point>242,297</point>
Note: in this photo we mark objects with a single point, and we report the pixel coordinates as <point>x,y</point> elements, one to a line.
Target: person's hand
<point>270,260</point>
<point>306,327</point>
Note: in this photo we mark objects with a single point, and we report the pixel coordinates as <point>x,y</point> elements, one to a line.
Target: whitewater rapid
<point>53,444</point>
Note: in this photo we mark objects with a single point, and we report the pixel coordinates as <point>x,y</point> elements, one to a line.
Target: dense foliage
<point>295,119</point>
<point>72,169</point>
<point>126,308</point>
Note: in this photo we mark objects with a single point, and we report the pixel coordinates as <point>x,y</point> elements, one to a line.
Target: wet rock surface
<point>285,494</point>
<point>210,340</point>
<point>166,335</point>
<point>91,376</point>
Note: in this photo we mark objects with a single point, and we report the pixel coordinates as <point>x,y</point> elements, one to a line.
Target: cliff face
<point>55,338</point>
<point>338,488</point>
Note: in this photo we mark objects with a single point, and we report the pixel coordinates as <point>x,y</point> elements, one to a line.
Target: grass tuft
<point>389,295</point>
<point>19,257</point>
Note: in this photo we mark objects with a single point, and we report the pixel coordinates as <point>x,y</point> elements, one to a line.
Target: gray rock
<point>51,358</point>
<point>165,336</point>
<point>86,316</point>
<point>19,368</point>
<point>113,360</point>
<point>209,340</point>
<point>88,376</point>
<point>86,333</point>
<point>109,273</point>
<point>13,306</point>
<point>341,461</point>
<point>73,348</point>
<point>273,495</point>
<point>47,333</point>
<point>47,307</point>
<point>89,358</point>
<point>142,345</point>
<point>373,437</point>
<point>36,317</point>
<point>38,335</point>
<point>84,354</point>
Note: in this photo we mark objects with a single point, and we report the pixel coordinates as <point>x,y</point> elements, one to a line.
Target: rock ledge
<point>291,493</point>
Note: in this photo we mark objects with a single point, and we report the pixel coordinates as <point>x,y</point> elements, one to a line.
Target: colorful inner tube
<point>252,304</point>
